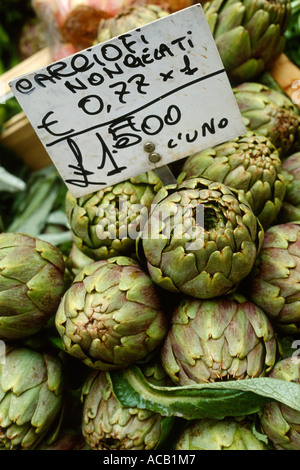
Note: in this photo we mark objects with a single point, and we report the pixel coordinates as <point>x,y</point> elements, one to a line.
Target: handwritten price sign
<point>132,104</point>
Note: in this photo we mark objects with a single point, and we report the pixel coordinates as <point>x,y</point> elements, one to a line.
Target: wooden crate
<point>20,136</point>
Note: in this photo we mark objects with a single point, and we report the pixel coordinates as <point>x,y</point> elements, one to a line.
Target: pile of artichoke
<point>173,319</point>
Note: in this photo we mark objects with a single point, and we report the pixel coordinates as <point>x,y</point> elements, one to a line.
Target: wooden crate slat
<point>20,137</point>
<point>34,62</point>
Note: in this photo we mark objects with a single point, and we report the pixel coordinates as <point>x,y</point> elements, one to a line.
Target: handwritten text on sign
<point>163,83</point>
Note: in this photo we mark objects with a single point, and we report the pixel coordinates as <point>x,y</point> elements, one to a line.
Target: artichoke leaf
<point>207,400</point>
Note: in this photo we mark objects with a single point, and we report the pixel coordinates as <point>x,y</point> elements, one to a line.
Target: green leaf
<point>56,238</point>
<point>212,400</point>
<point>9,182</point>
<point>37,203</point>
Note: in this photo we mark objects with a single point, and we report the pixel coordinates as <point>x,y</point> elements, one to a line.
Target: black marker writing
<point>46,124</point>
<point>84,181</point>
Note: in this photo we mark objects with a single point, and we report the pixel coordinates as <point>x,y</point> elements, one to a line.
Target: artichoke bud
<point>226,338</point>
<point>112,315</point>
<point>201,238</point>
<point>274,284</point>
<point>280,422</point>
<point>107,425</point>
<point>106,223</point>
<point>247,163</point>
<point>31,397</point>
<point>130,18</point>
<point>31,284</point>
<point>270,113</point>
<point>249,34</point>
<point>226,434</point>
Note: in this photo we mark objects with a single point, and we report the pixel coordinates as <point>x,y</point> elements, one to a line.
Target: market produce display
<point>147,316</point>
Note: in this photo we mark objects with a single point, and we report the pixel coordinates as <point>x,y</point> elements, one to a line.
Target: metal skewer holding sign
<point>132,104</point>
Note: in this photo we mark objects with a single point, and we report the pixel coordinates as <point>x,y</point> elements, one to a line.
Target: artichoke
<point>107,425</point>
<point>112,315</point>
<point>274,284</point>
<point>217,339</point>
<point>248,163</point>
<point>31,397</point>
<point>106,223</point>
<point>130,18</point>
<point>249,34</point>
<point>225,434</point>
<point>280,422</point>
<point>201,238</point>
<point>31,284</point>
<point>270,113</point>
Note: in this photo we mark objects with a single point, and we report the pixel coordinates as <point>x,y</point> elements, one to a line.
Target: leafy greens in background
<point>33,202</point>
<point>13,14</point>
<point>292,49</point>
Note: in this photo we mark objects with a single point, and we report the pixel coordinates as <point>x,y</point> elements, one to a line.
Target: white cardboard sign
<point>162,84</point>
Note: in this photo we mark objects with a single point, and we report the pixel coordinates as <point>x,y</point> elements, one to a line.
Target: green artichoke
<point>269,113</point>
<point>201,238</point>
<point>247,163</point>
<point>31,284</point>
<point>280,422</point>
<point>106,223</point>
<point>31,397</point>
<point>225,434</point>
<point>107,425</point>
<point>249,34</point>
<point>274,284</point>
<point>131,18</point>
<point>112,315</point>
<point>217,339</point>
